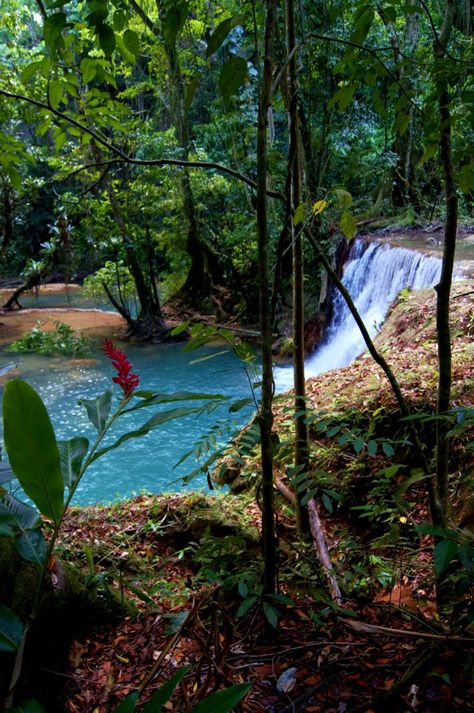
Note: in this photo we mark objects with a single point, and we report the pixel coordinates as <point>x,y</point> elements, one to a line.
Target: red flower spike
<point>128,382</point>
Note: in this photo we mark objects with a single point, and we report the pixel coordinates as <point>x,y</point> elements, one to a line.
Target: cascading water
<point>374,275</point>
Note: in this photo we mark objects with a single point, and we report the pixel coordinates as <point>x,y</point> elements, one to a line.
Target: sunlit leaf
<point>348,225</point>
<point>319,206</point>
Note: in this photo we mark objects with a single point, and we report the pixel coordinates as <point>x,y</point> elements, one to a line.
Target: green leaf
<point>466,178</point>
<point>7,524</point>
<point>106,39</point>
<point>245,606</point>
<point>28,706</point>
<point>25,516</point>
<point>239,404</point>
<point>88,69</point>
<point>348,225</point>
<point>163,695</point>
<point>175,621</point>
<point>59,140</point>
<point>119,20</point>
<point>52,31</point>
<point>151,399</point>
<point>221,32</point>
<point>128,704</point>
<point>436,531</point>
<point>298,216</point>
<point>387,449</point>
<point>11,630</point>
<point>174,22</point>
<point>327,502</point>
<point>271,614</point>
<point>243,589</point>
<point>56,92</point>
<point>223,701</point>
<point>31,446</point>
<point>32,546</point>
<point>343,197</point>
<point>30,71</point>
<point>98,409</point>
<point>444,553</point>
<point>372,448</point>
<point>188,98</point>
<point>232,76</point>
<point>358,444</point>
<point>132,42</point>
<point>72,454</point>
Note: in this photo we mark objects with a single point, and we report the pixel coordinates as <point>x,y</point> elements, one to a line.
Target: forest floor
<point>188,566</point>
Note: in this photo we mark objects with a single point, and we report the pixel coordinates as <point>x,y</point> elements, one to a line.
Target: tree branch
<point>122,157</point>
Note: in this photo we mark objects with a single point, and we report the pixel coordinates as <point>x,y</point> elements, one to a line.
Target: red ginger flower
<point>128,382</point>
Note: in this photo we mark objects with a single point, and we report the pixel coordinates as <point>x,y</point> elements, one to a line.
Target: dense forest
<point>211,172</point>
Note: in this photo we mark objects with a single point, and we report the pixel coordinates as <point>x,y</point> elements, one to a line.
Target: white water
<point>374,276</point>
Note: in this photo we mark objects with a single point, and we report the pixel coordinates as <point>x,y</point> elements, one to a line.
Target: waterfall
<point>374,274</point>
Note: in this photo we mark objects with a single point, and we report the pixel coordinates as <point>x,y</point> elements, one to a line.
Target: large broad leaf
<point>31,446</point>
<point>72,454</point>
<point>98,409</point>
<point>232,76</point>
<point>223,701</point>
<point>107,40</point>
<point>52,30</point>
<point>32,546</point>
<point>158,700</point>
<point>24,516</point>
<point>152,423</point>
<point>174,21</point>
<point>131,42</point>
<point>11,630</point>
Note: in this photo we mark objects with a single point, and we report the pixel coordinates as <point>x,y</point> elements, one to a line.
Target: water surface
<point>146,463</point>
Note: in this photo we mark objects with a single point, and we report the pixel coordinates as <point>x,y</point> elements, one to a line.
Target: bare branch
<point>124,158</point>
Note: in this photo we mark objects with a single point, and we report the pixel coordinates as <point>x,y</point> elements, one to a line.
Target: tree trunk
<point>443,289</point>
<point>302,460</point>
<point>149,323</point>
<point>265,416</point>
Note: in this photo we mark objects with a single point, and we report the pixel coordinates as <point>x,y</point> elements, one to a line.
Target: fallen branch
<point>320,545</point>
<point>363,627</point>
<point>319,539</point>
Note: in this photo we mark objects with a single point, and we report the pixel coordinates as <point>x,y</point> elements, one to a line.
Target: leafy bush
<point>62,340</point>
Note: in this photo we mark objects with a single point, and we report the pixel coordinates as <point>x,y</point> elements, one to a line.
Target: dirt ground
<point>91,322</point>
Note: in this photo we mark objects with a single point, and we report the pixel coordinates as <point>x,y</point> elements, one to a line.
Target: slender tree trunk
<point>302,460</point>
<point>265,416</point>
<point>443,289</point>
